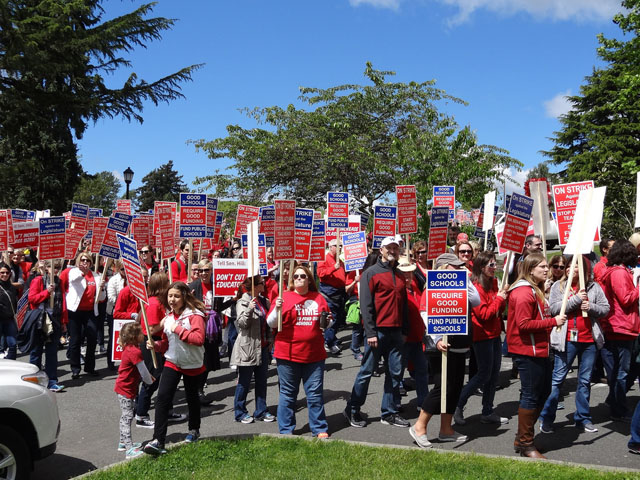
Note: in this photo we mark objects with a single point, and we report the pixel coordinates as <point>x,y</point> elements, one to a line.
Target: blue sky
<point>512,60</point>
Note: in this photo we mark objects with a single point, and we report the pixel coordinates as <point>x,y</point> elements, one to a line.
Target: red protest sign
<point>284,230</point>
<point>141,229</point>
<point>318,241</point>
<point>128,250</point>
<point>227,275</point>
<point>164,218</point>
<point>99,227</point>
<point>516,224</point>
<point>116,349</point>
<point>76,229</point>
<point>25,234</point>
<point>438,232</point>
<point>304,230</point>
<point>173,208</point>
<point>245,215</point>
<point>216,232</point>
<point>4,237</point>
<point>407,201</point>
<point>123,205</point>
<point>565,198</point>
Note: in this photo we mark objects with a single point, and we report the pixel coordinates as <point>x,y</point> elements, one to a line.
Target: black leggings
<point>168,385</point>
<point>455,380</point>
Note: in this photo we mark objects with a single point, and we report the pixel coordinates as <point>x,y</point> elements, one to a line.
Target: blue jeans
<point>389,347</point>
<point>9,329</point>
<point>412,352</point>
<point>535,380</point>
<point>616,357</point>
<point>50,355</point>
<point>244,383</point>
<point>312,376</point>
<point>357,339</point>
<point>586,353</point>
<point>335,298</point>
<point>489,358</point>
<point>634,441</point>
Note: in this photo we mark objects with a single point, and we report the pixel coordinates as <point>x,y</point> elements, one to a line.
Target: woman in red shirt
<point>299,351</point>
<point>487,348</point>
<point>528,328</point>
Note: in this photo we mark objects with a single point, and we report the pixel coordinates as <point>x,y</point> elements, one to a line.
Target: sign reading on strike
<point>131,261</point>
<point>317,253</point>
<point>173,207</point>
<point>516,223</point>
<point>445,197</point>
<point>77,228</point>
<point>99,228</point>
<point>262,251</point>
<point>438,232</point>
<point>337,209</point>
<point>193,215</point>
<point>445,302</point>
<point>116,224</point>
<point>407,201</point>
<point>141,228</point>
<point>245,215</point>
<point>565,198</point>
<point>354,246</point>
<point>52,233</point>
<point>304,230</point>
<point>227,275</point>
<point>123,205</point>
<point>384,223</point>
<point>284,230</point>
<point>267,223</point>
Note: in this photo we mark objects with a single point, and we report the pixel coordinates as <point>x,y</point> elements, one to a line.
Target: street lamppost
<point>128,176</point>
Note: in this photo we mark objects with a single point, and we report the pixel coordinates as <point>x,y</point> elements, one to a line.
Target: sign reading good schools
<point>117,224</point>
<point>129,256</point>
<point>438,232</point>
<point>354,246</point>
<point>384,223</point>
<point>317,239</point>
<point>444,197</point>
<point>193,215</point>
<point>304,229</point>
<point>337,209</point>
<point>446,302</point>
<point>228,274</point>
<point>407,201</point>
<point>516,223</point>
<point>52,233</point>
<point>565,198</point>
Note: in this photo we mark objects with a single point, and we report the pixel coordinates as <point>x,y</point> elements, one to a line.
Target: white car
<point>29,421</point>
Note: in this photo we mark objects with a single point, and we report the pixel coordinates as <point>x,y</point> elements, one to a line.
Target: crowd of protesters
<point>541,316</point>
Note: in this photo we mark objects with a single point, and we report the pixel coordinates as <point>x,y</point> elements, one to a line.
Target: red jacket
<point>598,269</point>
<point>126,304</point>
<point>528,326</point>
<point>301,339</point>
<point>328,274</point>
<point>38,294</point>
<point>623,320</point>
<point>487,317</point>
<point>416,324</point>
<point>271,289</point>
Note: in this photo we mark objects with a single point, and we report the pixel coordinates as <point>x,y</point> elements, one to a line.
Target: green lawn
<point>265,458</point>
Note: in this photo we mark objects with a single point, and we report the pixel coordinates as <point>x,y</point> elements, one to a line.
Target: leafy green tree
<point>162,184</point>
<point>98,191</point>
<point>599,137</point>
<point>53,58</point>
<point>361,139</point>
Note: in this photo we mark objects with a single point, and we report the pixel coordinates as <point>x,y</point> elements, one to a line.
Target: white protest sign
<point>540,196</point>
<point>489,204</point>
<point>586,221</point>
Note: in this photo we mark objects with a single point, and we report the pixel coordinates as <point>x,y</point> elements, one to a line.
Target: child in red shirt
<point>132,370</point>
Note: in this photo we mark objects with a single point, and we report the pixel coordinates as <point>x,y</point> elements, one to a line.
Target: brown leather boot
<point>524,439</point>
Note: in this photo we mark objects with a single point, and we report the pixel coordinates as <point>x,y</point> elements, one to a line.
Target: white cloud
<point>558,105</point>
<point>580,10</point>
<point>390,4</point>
<point>118,175</point>
<point>515,182</point>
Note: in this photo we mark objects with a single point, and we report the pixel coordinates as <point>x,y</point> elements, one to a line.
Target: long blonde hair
<point>530,262</point>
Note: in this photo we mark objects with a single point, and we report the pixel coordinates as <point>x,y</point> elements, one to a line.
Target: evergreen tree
<point>53,56</point>
<point>98,191</point>
<point>162,184</point>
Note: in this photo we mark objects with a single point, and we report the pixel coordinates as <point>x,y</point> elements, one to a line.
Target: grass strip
<point>270,458</point>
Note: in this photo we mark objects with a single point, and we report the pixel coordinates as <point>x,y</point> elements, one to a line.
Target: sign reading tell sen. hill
<point>227,275</point>
<point>446,302</point>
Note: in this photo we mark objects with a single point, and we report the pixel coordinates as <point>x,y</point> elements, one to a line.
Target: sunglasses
<point>557,267</point>
<point>297,276</point>
<point>85,260</point>
<point>235,248</point>
<point>204,270</point>
<point>491,265</point>
<point>144,251</point>
<point>422,252</point>
<point>465,252</point>
<point>5,273</point>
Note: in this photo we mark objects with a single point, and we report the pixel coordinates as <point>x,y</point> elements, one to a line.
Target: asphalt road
<point>89,413</point>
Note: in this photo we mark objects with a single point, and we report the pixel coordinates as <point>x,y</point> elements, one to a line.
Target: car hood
<point>16,367</point>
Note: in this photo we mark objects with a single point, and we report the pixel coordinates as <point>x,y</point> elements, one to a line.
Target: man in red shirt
<point>332,276</point>
<point>179,265</point>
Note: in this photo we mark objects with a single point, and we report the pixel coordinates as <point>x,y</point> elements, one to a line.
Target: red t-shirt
<point>180,276</point>
<point>128,375</point>
<point>575,320</point>
<point>89,295</point>
<point>155,313</point>
<point>301,339</point>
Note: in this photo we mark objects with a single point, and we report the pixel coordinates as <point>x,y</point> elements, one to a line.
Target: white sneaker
<point>494,418</point>
<point>458,417</point>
